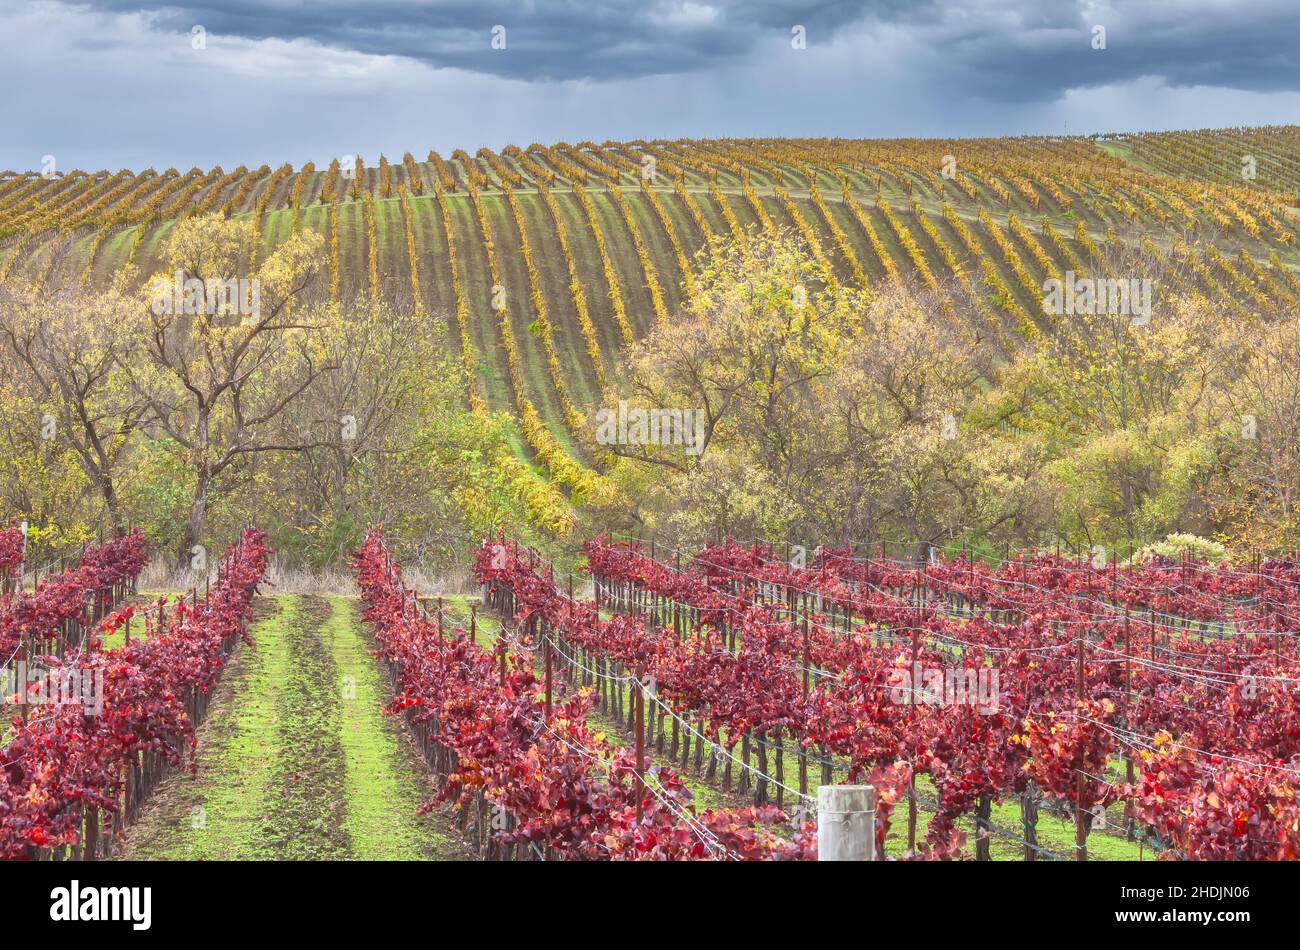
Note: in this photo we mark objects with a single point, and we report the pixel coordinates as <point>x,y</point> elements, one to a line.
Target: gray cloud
<point>1034,51</point>
<point>116,84</point>
<point>1015,49</point>
<point>546,40</point>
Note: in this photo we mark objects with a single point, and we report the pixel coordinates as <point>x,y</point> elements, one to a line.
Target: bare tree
<point>218,374</point>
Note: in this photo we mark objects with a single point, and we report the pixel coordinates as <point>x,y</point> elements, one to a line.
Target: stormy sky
<point>127,84</point>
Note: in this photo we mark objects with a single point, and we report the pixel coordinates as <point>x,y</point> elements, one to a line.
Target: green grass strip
<point>384,782</point>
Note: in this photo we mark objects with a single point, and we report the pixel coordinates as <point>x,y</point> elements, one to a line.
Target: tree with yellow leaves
<point>217,375</point>
<point>65,352</point>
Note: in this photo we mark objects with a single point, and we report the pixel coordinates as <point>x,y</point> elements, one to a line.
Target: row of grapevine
<point>607,266</point>
<point>412,255</point>
<point>504,172</point>
<point>576,290</point>
<point>1002,295</point>
<point>501,306</point>
<point>647,263</point>
<point>414,183</point>
<point>499,741</point>
<point>809,236</point>
<point>278,177</point>
<point>67,770</point>
<point>468,359</point>
<point>573,419</point>
<point>729,215</point>
<point>244,189</point>
<point>372,246</point>
<point>683,261</point>
<point>540,174</point>
<point>841,241</point>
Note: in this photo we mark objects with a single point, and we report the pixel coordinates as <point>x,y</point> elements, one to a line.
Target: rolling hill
<point>543,262</point>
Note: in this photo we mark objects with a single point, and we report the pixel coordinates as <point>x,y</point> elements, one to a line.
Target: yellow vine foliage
<point>1032,287</point>
<point>647,265</point>
<point>245,189</point>
<point>412,256</point>
<point>909,245</point>
<point>299,186</point>
<point>683,263</point>
<point>217,190</point>
<point>810,237</point>
<point>764,219</point>
<point>94,250</point>
<point>587,486</point>
<point>841,241</point>
<point>542,446</point>
<point>1088,244</point>
<point>693,209</point>
<point>729,215</point>
<point>877,245</point>
<point>334,252</point>
<point>504,171</point>
<point>474,176</point>
<point>372,244</point>
<point>572,417</point>
<point>503,314</point>
<point>575,288</point>
<point>413,180</point>
<point>443,171</point>
<point>329,187</point>
<point>462,304</point>
<point>1064,249</point>
<point>607,265</point>
<point>536,170</point>
<point>358,177</point>
<point>1036,251</point>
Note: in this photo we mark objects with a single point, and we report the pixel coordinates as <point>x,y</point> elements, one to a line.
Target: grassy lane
<point>305,818</point>
<point>384,781</point>
<point>296,760</point>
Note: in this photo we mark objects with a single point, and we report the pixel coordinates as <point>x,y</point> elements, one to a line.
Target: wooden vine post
<point>803,755</point>
<point>548,678</point>
<point>1080,830</point>
<point>846,823</point>
<point>1130,814</point>
<point>639,696</point>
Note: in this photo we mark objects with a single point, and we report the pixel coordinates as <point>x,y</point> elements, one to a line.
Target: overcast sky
<point>126,84</point>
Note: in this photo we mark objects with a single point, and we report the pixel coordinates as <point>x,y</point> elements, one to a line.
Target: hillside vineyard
<point>544,262</point>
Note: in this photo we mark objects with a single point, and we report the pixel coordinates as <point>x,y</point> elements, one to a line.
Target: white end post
<point>846,823</point>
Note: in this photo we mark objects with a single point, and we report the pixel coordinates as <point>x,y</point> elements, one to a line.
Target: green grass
<point>290,764</point>
<point>383,773</point>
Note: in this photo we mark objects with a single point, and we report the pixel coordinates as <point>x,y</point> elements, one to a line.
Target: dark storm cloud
<point>551,40</point>
<point>1010,50</point>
